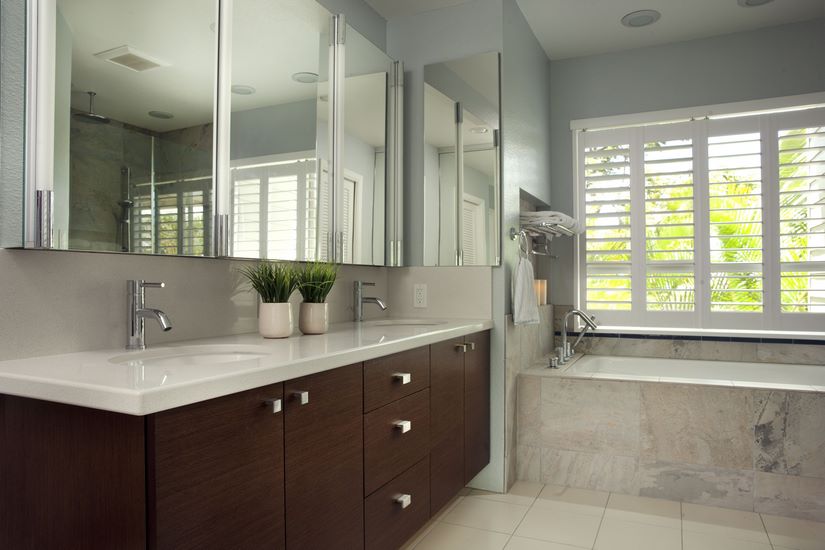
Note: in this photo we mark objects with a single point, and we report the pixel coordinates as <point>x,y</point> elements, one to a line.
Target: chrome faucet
<point>138,313</point>
<point>359,300</point>
<point>567,350</point>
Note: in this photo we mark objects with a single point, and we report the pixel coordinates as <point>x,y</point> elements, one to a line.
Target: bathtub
<point>692,371</point>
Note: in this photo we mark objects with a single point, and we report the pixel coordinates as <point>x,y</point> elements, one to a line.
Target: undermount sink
<point>407,323</point>
<point>190,355</point>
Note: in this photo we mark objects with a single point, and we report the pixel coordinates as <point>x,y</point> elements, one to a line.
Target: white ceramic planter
<point>313,318</point>
<point>275,320</point>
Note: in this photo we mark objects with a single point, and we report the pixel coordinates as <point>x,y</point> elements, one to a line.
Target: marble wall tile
<point>528,415</point>
<point>789,435</point>
<point>791,353</point>
<point>546,336</point>
<point>530,345</point>
<point>601,472</point>
<point>728,488</point>
<point>589,415</point>
<point>697,425</point>
<point>528,463</point>
<point>795,496</point>
<point>558,314</point>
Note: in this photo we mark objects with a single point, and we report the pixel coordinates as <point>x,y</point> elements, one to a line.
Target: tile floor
<point>533,516</point>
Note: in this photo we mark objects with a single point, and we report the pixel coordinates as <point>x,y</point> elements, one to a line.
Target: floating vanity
<point>351,439</point>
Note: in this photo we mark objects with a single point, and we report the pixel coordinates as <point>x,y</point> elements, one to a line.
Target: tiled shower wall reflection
<point>526,346</point>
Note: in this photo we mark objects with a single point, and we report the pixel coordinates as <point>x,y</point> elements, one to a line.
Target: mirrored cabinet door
<point>131,134</point>
<point>362,204</point>
<point>278,141</point>
<point>462,186</point>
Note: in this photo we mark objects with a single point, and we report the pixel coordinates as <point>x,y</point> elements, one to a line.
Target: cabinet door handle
<point>403,377</point>
<point>403,425</point>
<point>462,347</point>
<point>472,346</point>
<point>301,396</point>
<point>276,405</point>
<point>403,500</point>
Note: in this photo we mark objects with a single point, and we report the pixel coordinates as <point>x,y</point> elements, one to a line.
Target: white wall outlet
<point>420,295</point>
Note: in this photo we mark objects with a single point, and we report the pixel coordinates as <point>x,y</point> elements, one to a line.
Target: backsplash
<point>714,348</point>
<point>60,302</point>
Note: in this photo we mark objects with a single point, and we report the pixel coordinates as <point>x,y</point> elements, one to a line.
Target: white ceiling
<point>399,8</point>
<point>574,28</point>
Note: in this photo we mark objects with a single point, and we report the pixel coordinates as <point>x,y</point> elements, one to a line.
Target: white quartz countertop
<point>165,377</point>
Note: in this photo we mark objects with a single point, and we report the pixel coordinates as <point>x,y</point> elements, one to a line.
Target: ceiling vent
<point>130,58</point>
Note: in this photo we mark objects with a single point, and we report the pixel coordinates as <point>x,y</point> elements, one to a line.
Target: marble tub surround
<point>768,350</point>
<point>741,448</point>
<point>526,346</point>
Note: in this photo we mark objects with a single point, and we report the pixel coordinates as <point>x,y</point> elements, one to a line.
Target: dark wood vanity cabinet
<point>215,473</point>
<point>323,461</point>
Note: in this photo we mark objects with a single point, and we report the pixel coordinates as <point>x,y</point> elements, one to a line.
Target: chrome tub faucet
<point>566,350</point>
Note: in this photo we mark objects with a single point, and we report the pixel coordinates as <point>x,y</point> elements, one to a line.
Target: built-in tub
<point>739,435</point>
<point>691,371</point>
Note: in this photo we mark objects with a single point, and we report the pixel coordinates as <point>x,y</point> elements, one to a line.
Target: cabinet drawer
<point>388,448</point>
<point>387,379</point>
<point>389,524</point>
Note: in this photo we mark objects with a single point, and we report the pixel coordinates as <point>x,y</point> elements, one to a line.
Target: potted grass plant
<point>315,282</point>
<point>274,283</point>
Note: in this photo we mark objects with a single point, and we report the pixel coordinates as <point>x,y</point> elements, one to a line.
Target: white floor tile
<point>419,535</point>
<point>651,511</point>
<point>560,525</point>
<point>456,537</point>
<point>522,492</point>
<point>617,534</point>
<point>486,514</point>
<point>580,501</point>
<point>795,534</point>
<point>715,541</point>
<point>521,543</point>
<point>447,508</point>
<point>735,524</point>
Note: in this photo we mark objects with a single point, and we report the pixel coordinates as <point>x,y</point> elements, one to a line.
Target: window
<point>711,223</point>
<point>168,217</point>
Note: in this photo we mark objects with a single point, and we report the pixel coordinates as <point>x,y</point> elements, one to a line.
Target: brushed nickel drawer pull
<point>403,425</point>
<point>462,347</point>
<point>403,377</point>
<point>403,500</point>
<point>301,396</point>
<point>275,404</point>
<point>472,346</point>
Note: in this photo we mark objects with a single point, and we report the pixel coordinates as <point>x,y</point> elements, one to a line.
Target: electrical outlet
<point>419,295</point>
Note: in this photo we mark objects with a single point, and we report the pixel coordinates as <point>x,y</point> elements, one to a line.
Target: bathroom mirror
<point>132,108</point>
<point>461,162</point>
<point>278,145</point>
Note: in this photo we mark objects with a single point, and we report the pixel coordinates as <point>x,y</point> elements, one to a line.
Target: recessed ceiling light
<point>752,3</point>
<point>242,89</point>
<point>305,77</point>
<point>161,114</point>
<point>479,130</point>
<point>641,18</point>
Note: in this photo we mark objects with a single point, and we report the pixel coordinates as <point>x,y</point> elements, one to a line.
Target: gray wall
<point>771,62</point>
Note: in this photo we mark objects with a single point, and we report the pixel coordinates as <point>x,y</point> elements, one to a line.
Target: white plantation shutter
<point>176,225</point>
<point>472,230</point>
<point>801,205</point>
<point>669,223</point>
<point>348,215</point>
<point>605,167</point>
<point>714,223</point>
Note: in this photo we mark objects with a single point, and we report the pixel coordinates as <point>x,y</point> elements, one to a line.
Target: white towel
<point>552,217</point>
<point>525,304</point>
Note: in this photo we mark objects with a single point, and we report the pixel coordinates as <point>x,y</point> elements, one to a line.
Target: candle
<point>537,290</point>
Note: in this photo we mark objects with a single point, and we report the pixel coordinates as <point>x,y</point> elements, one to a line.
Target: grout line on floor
<point>767,534</point>
<point>681,526</point>
<point>601,520</point>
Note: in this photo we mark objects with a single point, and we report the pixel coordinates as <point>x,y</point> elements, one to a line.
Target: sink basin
<point>407,323</point>
<point>190,355</point>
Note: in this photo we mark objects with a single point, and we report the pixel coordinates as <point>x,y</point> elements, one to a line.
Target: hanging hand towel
<point>525,305</point>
